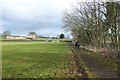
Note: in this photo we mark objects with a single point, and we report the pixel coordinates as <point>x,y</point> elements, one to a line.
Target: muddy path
<point>80,70</point>
<point>98,69</point>
<point>80,73</point>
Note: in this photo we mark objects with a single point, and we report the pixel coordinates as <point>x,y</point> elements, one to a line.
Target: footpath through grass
<point>35,59</point>
<point>98,66</point>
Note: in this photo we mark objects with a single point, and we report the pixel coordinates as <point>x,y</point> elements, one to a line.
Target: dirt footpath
<point>97,68</point>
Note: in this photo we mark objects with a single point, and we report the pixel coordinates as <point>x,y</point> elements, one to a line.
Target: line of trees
<point>5,34</point>
<point>95,23</point>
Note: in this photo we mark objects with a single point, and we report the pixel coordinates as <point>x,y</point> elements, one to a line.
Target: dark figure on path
<point>77,44</point>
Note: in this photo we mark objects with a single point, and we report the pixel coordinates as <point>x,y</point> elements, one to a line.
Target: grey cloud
<point>45,19</point>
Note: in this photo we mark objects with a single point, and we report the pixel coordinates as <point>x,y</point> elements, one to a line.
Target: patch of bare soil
<point>76,68</point>
<point>97,68</point>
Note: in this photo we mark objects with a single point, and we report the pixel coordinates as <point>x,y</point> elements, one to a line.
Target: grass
<point>44,60</point>
<point>34,59</point>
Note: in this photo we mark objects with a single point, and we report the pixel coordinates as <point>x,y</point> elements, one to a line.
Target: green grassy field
<point>35,59</point>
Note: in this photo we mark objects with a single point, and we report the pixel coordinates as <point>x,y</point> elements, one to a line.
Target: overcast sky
<point>42,16</point>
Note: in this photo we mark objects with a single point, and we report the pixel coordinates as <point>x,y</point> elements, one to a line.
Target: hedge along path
<point>94,68</point>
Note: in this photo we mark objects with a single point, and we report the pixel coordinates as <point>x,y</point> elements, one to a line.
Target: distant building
<point>21,37</point>
<point>16,37</point>
<point>31,36</point>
